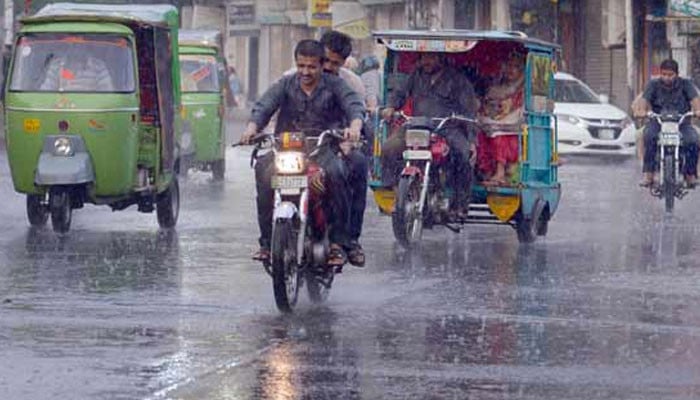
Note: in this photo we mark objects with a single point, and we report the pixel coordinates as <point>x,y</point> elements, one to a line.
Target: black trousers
<point>358,168</point>
<point>337,199</point>
<point>689,147</point>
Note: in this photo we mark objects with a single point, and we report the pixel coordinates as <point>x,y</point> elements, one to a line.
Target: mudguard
<point>285,210</point>
<point>64,170</point>
<point>411,170</point>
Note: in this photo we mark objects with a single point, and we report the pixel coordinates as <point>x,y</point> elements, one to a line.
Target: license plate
<point>669,127</point>
<point>670,140</point>
<point>417,155</point>
<point>606,134</point>
<point>289,182</point>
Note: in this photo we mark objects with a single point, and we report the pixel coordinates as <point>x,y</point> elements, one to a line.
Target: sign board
<point>320,14</point>
<point>241,18</point>
<point>685,7</point>
<point>351,19</point>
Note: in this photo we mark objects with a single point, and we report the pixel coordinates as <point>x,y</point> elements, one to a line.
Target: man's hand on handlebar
<point>388,113</point>
<point>249,133</point>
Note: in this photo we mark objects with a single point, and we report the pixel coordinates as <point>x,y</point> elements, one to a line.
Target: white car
<point>588,125</point>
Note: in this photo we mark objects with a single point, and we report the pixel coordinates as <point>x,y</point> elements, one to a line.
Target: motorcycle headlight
<point>186,141</point>
<point>417,138</point>
<point>289,162</point>
<point>62,147</point>
<point>571,119</point>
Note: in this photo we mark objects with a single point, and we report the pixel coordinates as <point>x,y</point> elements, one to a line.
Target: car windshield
<point>572,91</point>
<point>199,74</point>
<point>53,62</point>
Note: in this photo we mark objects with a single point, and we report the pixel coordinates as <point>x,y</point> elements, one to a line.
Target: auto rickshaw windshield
<point>198,73</point>
<point>54,62</point>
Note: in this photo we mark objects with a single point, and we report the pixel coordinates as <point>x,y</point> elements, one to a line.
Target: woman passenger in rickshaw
<point>501,115</point>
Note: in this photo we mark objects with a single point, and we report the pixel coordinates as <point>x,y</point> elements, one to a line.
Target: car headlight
<point>62,147</point>
<point>571,119</point>
<point>626,122</point>
<point>289,162</point>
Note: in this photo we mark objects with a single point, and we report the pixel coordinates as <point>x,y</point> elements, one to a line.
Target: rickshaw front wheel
<point>168,205</point>
<point>37,210</point>
<point>61,209</point>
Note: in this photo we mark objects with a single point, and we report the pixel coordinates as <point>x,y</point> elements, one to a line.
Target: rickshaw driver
<point>437,90</point>
<point>305,99</point>
<point>80,72</point>
<point>338,47</point>
<point>669,93</point>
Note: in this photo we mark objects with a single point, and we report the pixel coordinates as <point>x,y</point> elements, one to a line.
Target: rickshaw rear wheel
<point>529,228</point>
<point>37,212</point>
<point>168,205</point>
<point>61,210</point>
<point>218,169</point>
<point>405,220</point>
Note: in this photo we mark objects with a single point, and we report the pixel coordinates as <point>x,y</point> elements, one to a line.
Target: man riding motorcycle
<point>669,94</point>
<point>307,101</point>
<point>338,47</point>
<point>437,90</point>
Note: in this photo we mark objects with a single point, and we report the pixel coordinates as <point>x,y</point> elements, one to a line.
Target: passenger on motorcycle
<point>307,101</point>
<point>338,47</point>
<point>437,90</point>
<point>669,94</point>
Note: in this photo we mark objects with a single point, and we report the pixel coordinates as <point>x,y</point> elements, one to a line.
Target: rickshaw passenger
<point>77,73</point>
<point>306,100</point>
<point>501,114</point>
<point>436,90</point>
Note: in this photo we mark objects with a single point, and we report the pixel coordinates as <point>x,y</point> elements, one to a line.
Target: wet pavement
<point>606,307</point>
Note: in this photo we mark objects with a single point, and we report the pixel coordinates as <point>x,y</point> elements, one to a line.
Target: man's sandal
<point>336,256</point>
<point>356,255</point>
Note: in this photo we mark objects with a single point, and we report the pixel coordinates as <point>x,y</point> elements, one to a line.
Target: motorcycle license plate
<point>289,182</point>
<point>669,127</point>
<point>606,134</point>
<point>417,155</point>
<point>671,139</point>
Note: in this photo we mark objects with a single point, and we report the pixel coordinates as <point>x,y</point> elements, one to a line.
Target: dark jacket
<point>331,105</point>
<point>450,93</point>
<point>675,98</point>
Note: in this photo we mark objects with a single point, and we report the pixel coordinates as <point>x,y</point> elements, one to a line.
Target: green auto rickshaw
<point>92,113</point>
<point>203,81</point>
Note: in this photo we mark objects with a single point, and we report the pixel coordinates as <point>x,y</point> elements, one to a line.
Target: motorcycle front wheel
<point>406,220</point>
<point>669,179</point>
<point>285,271</point>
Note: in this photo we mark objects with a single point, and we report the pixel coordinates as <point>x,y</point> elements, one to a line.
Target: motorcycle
<point>671,159</point>
<point>422,198</point>
<point>300,244</point>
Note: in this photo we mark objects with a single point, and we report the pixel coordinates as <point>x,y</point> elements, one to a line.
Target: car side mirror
<point>604,98</point>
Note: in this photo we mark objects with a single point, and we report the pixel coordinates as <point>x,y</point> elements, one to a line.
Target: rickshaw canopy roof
<point>452,40</point>
<point>200,38</point>
<point>152,14</point>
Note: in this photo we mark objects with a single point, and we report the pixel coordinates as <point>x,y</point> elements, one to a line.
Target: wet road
<point>606,307</point>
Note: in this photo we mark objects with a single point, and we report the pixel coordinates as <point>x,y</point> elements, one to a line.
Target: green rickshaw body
<point>91,109</point>
<point>202,101</point>
<point>530,198</point>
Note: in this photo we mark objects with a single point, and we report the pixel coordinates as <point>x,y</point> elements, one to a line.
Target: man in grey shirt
<point>307,100</point>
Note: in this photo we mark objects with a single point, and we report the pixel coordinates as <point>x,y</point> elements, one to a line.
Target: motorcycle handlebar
<point>679,117</point>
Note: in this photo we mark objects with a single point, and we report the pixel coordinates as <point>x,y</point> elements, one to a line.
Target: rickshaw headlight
<point>289,162</point>
<point>417,137</point>
<point>62,147</point>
